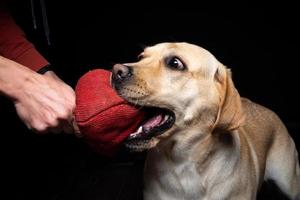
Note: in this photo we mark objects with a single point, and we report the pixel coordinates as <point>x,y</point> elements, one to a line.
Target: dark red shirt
<point>15,46</point>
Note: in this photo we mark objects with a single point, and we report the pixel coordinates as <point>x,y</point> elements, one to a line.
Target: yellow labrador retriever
<point>204,141</point>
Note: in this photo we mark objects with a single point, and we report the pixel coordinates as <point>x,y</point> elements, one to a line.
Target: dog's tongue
<point>151,123</point>
<point>145,128</point>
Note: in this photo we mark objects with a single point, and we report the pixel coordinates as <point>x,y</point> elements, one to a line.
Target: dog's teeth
<point>166,118</point>
<point>135,134</point>
<point>140,129</point>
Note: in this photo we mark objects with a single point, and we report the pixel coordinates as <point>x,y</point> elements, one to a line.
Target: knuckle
<point>64,114</point>
<point>53,122</point>
<point>39,127</point>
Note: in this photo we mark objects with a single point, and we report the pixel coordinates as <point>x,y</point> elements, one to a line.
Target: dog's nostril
<point>121,72</point>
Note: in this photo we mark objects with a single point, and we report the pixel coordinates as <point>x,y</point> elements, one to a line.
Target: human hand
<point>46,104</point>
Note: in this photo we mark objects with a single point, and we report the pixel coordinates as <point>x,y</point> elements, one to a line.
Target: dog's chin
<point>141,145</point>
<point>157,123</point>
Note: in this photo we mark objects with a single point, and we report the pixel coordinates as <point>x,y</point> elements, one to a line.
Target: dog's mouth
<point>157,122</point>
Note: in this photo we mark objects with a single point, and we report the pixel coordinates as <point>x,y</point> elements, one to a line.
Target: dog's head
<point>185,86</point>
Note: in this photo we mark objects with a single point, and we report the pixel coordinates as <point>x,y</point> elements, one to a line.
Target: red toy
<point>103,117</point>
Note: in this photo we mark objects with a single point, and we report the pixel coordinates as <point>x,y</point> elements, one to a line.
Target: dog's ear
<point>230,114</point>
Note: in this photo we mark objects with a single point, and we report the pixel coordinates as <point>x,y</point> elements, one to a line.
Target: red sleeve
<point>15,46</point>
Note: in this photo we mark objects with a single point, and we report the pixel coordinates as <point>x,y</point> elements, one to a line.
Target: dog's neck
<point>201,147</point>
<point>192,166</point>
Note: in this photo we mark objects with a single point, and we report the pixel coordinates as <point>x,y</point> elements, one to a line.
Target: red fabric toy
<point>103,117</point>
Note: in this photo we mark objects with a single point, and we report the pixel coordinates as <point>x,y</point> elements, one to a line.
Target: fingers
<point>67,126</point>
<point>76,128</point>
<point>47,105</point>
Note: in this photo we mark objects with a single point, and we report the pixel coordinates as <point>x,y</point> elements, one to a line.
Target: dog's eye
<point>175,63</point>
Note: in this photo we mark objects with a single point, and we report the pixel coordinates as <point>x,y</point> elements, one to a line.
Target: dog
<point>204,141</point>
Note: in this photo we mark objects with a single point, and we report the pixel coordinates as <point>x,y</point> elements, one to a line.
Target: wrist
<point>45,69</point>
<point>21,86</point>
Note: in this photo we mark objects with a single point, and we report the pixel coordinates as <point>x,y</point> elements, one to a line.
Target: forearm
<point>13,77</point>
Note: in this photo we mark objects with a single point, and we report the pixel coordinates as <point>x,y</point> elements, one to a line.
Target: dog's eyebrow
<point>141,56</point>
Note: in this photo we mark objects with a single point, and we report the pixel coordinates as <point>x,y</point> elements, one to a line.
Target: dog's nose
<point>121,72</point>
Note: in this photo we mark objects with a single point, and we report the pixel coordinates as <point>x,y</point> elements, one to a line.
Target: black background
<point>258,41</point>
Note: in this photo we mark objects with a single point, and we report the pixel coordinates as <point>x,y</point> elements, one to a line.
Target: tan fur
<point>221,146</point>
